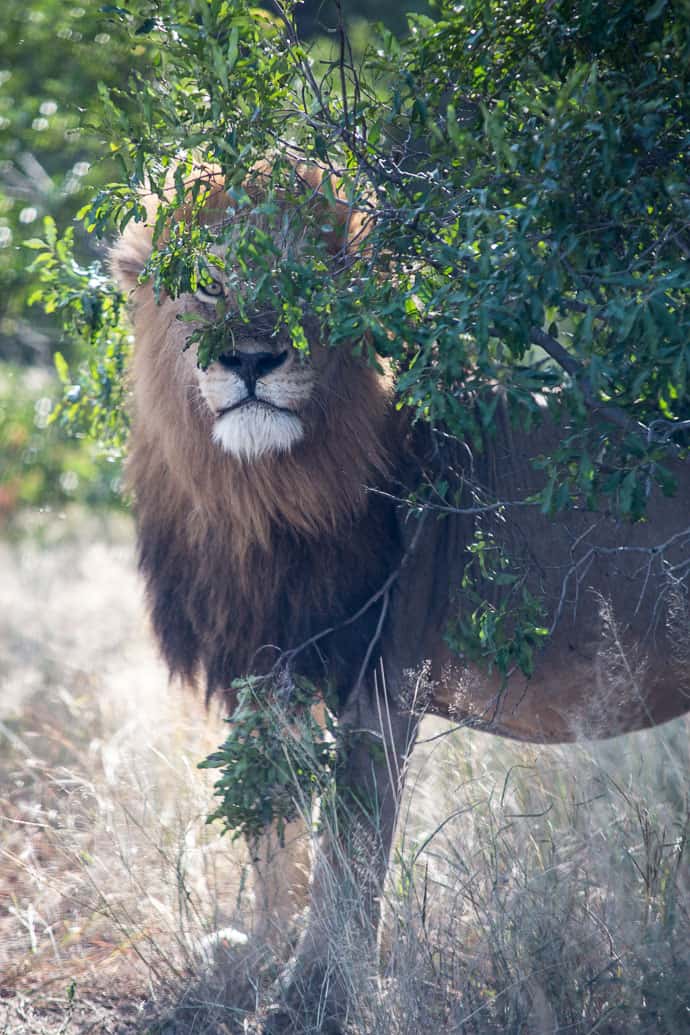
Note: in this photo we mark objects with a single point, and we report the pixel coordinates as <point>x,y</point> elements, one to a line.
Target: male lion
<point>267,502</point>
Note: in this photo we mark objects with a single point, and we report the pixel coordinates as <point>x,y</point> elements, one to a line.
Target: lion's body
<point>259,535</point>
<point>247,560</point>
<point>617,659</point>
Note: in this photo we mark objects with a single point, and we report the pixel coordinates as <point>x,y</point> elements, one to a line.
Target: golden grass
<point>536,890</point>
<point>108,873</point>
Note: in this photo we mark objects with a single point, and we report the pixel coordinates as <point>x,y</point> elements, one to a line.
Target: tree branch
<point>612,413</point>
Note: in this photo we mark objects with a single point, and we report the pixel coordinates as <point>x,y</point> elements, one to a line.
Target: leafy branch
<point>276,760</point>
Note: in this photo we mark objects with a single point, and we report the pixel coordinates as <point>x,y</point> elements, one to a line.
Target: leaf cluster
<point>501,623</point>
<point>53,53</point>
<point>276,759</point>
<point>524,166</point>
<point>91,309</point>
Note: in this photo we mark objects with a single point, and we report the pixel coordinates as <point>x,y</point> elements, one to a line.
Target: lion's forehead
<point>249,341</point>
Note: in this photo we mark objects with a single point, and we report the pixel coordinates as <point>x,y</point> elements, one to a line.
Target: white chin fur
<point>254,430</point>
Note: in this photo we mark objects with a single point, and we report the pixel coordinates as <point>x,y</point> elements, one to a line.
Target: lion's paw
<point>218,942</point>
<point>281,1020</point>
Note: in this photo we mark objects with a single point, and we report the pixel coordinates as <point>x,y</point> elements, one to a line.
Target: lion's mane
<point>246,560</point>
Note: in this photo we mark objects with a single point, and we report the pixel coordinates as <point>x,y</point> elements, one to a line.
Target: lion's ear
<point>350,226</point>
<point>129,255</point>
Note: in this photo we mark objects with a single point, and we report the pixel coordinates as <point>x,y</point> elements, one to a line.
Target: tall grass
<point>109,876</point>
<point>554,895</point>
<point>533,891</point>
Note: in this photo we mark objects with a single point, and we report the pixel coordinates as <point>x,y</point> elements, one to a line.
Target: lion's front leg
<point>281,867</point>
<point>337,951</point>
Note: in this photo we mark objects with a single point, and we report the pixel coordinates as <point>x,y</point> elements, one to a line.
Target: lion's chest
<point>315,601</point>
<point>320,609</point>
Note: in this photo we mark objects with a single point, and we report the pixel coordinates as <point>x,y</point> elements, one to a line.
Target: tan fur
<point>245,560</point>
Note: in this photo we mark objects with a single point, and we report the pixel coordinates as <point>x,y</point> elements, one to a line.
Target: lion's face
<point>256,396</point>
<point>256,390</point>
<point>261,397</point>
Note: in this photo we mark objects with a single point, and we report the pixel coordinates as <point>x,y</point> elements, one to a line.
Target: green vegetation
<point>277,759</point>
<point>57,62</point>
<point>40,467</point>
<point>523,171</point>
<point>527,166</point>
<point>92,313</point>
<point>53,55</point>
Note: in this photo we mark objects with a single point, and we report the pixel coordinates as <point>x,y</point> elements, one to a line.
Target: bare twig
<point>383,591</point>
<point>481,508</point>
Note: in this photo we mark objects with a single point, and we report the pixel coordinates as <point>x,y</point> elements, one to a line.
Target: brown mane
<point>242,556</point>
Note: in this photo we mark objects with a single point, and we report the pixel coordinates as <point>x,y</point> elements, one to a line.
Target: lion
<point>270,507</point>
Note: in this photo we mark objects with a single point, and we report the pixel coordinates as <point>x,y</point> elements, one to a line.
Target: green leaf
<point>62,368</point>
<point>233,48</point>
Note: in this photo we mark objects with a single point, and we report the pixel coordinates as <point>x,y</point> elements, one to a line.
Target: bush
<point>42,466</point>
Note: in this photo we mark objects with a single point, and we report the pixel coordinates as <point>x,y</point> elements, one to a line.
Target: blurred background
<point>52,57</point>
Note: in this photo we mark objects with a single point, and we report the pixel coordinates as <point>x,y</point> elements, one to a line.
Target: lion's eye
<point>212,290</point>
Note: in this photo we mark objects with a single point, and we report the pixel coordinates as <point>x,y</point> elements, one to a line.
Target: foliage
<point>507,634</point>
<point>276,759</point>
<point>56,61</point>
<point>53,55</point>
<point>91,309</point>
<point>527,165</point>
<point>40,467</point>
<point>56,57</point>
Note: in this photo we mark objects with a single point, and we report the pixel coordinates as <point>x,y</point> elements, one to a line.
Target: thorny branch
<point>649,556</point>
<point>417,506</point>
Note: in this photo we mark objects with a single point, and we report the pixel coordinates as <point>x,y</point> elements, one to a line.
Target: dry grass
<point>536,890</point>
<point>555,894</point>
<point>108,875</point>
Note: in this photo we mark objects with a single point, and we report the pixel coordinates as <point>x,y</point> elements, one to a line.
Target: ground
<point>534,890</point>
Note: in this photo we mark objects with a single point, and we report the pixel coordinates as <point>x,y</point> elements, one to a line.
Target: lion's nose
<point>252,366</point>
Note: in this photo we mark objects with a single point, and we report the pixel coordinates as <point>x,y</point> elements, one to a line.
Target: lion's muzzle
<point>252,366</point>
